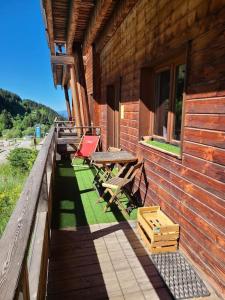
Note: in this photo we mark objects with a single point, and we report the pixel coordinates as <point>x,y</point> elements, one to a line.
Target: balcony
<point>60,244</point>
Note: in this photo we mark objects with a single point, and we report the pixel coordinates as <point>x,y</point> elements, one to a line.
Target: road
<point>20,144</point>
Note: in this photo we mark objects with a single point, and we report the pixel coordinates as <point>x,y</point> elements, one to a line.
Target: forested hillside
<point>18,117</point>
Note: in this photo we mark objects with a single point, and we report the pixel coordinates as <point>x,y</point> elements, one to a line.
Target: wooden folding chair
<point>86,148</point>
<point>116,186</point>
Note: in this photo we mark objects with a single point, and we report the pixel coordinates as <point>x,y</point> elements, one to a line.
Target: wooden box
<point>157,231</point>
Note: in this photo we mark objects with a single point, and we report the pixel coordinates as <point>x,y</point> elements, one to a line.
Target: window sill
<point>160,149</point>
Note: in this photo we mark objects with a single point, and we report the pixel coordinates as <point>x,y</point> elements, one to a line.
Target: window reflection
<point>178,101</point>
<point>162,103</point>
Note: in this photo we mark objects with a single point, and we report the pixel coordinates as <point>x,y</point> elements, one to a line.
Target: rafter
<point>75,96</point>
<point>62,59</point>
<point>67,103</point>
<point>72,25</point>
<point>65,77</point>
<point>49,24</point>
<point>81,83</point>
<point>99,17</point>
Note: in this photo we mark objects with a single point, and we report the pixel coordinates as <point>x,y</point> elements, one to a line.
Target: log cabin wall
<point>190,190</point>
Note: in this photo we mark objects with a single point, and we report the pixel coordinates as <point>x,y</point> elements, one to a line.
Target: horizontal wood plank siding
<point>208,153</point>
<point>190,190</point>
<point>205,121</point>
<point>205,137</point>
<point>206,106</point>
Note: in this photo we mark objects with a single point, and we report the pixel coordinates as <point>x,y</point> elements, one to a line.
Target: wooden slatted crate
<point>157,231</point>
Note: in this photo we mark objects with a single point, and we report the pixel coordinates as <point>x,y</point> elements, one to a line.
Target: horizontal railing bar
<point>14,243</point>
<point>64,121</point>
<point>81,127</point>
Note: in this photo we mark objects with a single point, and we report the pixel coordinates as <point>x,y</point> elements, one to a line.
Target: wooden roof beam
<point>72,25</point>
<point>66,76</point>
<point>48,18</point>
<point>98,19</point>
<point>62,59</point>
<point>116,19</point>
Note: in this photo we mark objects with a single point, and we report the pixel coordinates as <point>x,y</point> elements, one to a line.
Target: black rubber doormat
<point>179,276</point>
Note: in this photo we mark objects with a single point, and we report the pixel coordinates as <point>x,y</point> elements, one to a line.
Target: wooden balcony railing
<point>69,134</point>
<point>68,128</point>
<point>24,244</point>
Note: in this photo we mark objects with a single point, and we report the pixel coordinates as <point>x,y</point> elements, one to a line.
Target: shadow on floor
<point>107,262</point>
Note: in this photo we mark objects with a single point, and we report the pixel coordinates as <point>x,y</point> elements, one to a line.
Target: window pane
<point>179,89</point>
<point>162,103</point>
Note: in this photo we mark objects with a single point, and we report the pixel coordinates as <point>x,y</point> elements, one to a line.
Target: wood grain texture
<point>79,62</point>
<point>113,157</point>
<point>206,106</point>
<point>123,8</point>
<point>209,153</point>
<point>217,172</point>
<point>75,96</point>
<point>205,137</point>
<point>67,99</point>
<point>49,21</point>
<point>37,260</point>
<point>191,190</point>
<point>15,240</point>
<point>99,17</point>
<point>206,121</point>
<point>72,24</point>
<point>62,59</point>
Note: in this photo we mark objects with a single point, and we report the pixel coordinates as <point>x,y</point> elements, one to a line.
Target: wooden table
<point>119,157</point>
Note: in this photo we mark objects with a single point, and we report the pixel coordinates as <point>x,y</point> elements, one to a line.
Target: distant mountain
<point>63,113</point>
<point>18,117</point>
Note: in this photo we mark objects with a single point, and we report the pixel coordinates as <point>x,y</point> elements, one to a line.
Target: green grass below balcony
<point>164,146</point>
<point>75,199</point>
<point>11,185</point>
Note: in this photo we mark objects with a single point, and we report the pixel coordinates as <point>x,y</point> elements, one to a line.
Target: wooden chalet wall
<point>190,190</point>
<point>89,71</point>
<point>92,73</point>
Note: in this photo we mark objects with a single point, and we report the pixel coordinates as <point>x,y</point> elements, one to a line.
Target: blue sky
<point>24,54</point>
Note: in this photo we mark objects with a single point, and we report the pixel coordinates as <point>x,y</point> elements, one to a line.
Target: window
<point>168,102</point>
<point>161,102</point>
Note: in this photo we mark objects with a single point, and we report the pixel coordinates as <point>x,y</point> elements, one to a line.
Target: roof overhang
<point>68,22</point>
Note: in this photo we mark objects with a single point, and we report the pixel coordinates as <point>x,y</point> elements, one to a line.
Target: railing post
<point>25,284</point>
<point>23,291</point>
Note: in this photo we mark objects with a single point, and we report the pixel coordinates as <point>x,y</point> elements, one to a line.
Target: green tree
<point>13,133</point>
<point>6,120</point>
<point>22,159</point>
<point>18,116</point>
<point>28,131</point>
<point>28,121</point>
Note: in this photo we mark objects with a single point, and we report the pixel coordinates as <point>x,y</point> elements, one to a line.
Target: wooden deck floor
<point>103,261</point>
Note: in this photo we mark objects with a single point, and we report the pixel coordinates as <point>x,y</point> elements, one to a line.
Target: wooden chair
<point>86,148</point>
<point>116,186</point>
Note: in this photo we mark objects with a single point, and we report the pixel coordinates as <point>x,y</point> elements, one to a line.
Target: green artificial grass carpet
<point>168,147</point>
<point>75,199</point>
